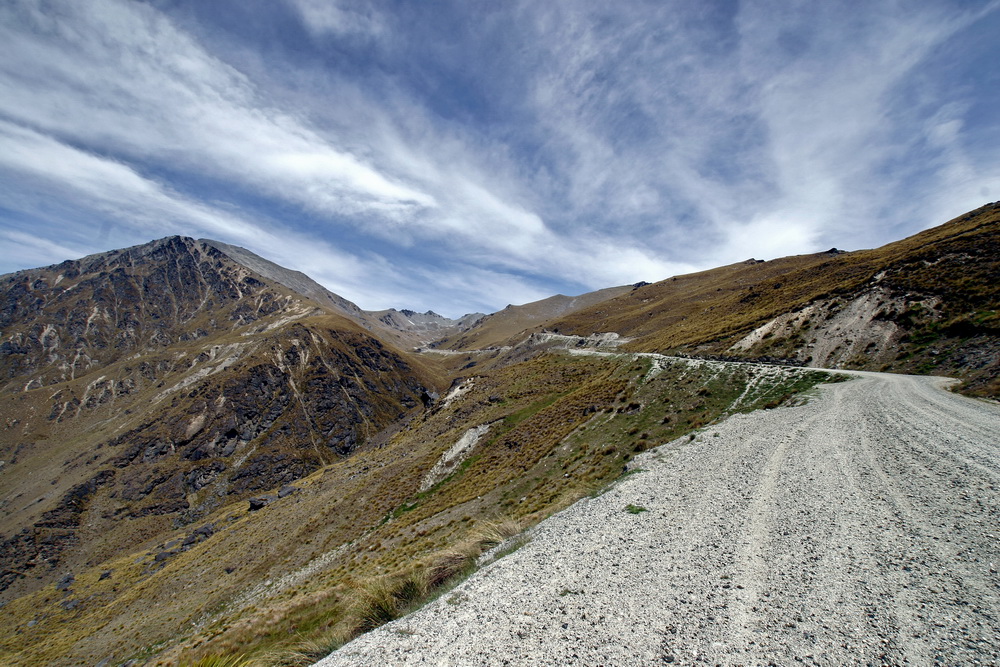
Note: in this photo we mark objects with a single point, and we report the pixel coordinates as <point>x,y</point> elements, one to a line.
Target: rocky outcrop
<point>67,320</point>
<point>41,545</point>
<point>932,310</point>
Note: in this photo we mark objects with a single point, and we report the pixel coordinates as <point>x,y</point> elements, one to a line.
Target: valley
<point>207,455</point>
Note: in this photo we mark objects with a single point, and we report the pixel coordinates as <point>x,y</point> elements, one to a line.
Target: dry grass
<point>224,661</point>
<point>563,430</point>
<point>494,532</point>
<point>448,564</point>
<point>379,600</point>
<point>308,651</point>
<point>957,263</point>
<point>382,599</point>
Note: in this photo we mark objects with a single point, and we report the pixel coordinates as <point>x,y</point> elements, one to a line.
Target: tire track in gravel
<point>751,577</point>
<point>861,528</point>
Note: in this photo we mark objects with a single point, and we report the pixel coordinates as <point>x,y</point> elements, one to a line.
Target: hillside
<point>146,387</point>
<point>852,530</point>
<point>928,303</point>
<point>499,327</point>
<point>130,459</point>
<point>204,453</point>
<point>418,329</point>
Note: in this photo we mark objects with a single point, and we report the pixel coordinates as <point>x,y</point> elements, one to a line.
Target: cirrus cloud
<point>446,156</point>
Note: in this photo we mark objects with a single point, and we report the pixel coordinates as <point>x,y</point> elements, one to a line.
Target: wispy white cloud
<point>777,117</point>
<point>144,89</point>
<point>329,17</point>
<point>826,85</point>
<point>472,152</point>
<point>108,186</point>
<point>37,251</point>
<point>147,208</point>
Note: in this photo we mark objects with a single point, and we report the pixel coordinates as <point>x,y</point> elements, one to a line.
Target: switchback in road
<point>860,528</point>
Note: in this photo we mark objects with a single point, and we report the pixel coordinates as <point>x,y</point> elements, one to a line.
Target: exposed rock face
<point>173,379</point>
<point>64,321</point>
<point>933,308</point>
<point>833,332</point>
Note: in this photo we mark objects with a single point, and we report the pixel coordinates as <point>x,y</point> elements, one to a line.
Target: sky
<point>460,156</point>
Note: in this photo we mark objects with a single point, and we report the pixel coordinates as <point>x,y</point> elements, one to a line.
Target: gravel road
<point>861,528</point>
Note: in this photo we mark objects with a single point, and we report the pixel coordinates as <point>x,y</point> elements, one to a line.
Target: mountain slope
<point>831,533</point>
<point>64,321</point>
<point>499,327</point>
<point>928,303</point>
<point>296,281</point>
<point>419,329</point>
<point>150,393</point>
<point>414,505</point>
<point>148,386</point>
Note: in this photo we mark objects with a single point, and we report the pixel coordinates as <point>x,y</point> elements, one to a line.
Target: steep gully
<point>860,528</point>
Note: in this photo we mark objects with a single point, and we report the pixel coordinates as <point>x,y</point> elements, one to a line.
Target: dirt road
<point>861,528</point>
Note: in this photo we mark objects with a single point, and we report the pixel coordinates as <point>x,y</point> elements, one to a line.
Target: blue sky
<point>465,155</point>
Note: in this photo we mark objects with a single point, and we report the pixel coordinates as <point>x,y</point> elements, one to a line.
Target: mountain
<point>928,303</point>
<point>143,388</point>
<point>419,329</point>
<point>296,281</point>
<point>206,454</point>
<point>499,327</point>
<point>405,328</point>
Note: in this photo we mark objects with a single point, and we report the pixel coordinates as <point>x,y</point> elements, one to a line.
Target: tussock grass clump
<point>309,651</point>
<point>453,563</point>
<point>382,599</point>
<point>494,532</point>
<point>378,600</point>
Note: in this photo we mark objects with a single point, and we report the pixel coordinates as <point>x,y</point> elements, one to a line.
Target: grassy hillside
<point>934,298</point>
<point>501,326</point>
<point>262,582</point>
<point>200,461</point>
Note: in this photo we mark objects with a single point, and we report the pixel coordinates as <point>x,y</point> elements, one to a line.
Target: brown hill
<point>146,387</point>
<point>513,321</point>
<point>928,303</point>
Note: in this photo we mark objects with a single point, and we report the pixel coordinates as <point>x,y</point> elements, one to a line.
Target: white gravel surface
<point>861,528</point>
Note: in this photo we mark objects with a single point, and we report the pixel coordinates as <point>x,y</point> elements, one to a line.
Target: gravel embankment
<point>861,528</point>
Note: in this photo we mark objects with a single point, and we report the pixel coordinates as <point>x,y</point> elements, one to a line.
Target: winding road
<point>860,528</point>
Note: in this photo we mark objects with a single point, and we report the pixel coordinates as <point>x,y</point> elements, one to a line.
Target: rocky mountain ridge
<point>403,327</point>
<point>155,383</point>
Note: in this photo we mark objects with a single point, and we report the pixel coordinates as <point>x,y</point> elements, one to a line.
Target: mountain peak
<point>293,280</point>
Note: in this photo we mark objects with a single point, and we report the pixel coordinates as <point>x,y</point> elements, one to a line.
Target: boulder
<point>260,503</point>
<point>64,583</point>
